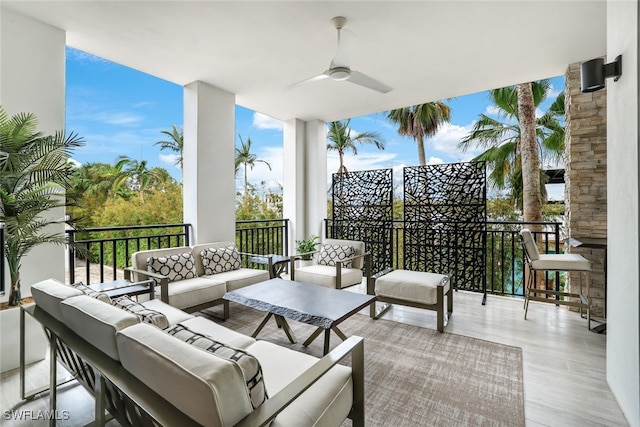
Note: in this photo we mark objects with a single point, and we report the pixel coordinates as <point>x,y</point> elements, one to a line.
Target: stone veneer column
<point>586,177</point>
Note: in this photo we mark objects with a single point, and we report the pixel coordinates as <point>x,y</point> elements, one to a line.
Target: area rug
<point>417,376</point>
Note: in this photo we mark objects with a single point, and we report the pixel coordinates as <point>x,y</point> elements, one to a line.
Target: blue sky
<point>120,111</point>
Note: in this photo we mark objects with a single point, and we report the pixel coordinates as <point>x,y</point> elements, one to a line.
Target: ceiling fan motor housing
<point>340,73</point>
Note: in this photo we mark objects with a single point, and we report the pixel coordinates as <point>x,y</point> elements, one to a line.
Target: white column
<point>305,177</point>
<point>209,163</point>
<point>623,209</point>
<point>32,80</point>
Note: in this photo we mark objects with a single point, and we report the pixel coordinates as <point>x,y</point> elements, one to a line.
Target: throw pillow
<point>219,260</point>
<point>330,254</point>
<point>100,296</point>
<point>175,267</point>
<point>145,314</point>
<point>249,365</point>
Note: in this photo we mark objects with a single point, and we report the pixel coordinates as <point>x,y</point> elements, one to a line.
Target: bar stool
<point>554,262</point>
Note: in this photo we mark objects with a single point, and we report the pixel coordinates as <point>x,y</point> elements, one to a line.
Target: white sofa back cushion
<point>250,366</point>
<point>49,293</point>
<point>208,388</point>
<point>96,322</point>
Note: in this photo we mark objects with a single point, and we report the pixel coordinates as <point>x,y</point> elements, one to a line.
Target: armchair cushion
<point>249,365</point>
<point>219,260</point>
<point>145,314</point>
<point>175,267</point>
<point>330,254</point>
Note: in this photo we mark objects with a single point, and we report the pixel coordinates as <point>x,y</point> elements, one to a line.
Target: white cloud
<point>493,110</point>
<point>445,143</point>
<point>435,161</point>
<point>260,172</point>
<point>119,118</point>
<point>75,163</point>
<point>262,121</point>
<point>169,159</point>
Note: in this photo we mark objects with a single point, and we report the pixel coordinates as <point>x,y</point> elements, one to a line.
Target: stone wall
<point>586,178</point>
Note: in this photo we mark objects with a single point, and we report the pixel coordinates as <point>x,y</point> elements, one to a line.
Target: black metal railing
<point>504,266</point>
<point>2,260</point>
<point>263,236</point>
<point>112,247</point>
<point>105,251</point>
<point>109,249</point>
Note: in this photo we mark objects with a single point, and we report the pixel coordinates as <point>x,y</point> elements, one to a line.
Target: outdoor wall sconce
<point>593,73</point>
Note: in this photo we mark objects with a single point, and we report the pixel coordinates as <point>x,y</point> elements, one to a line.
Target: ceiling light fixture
<point>594,72</point>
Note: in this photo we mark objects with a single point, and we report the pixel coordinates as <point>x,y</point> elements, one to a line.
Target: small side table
<point>279,263</point>
<point>117,288</point>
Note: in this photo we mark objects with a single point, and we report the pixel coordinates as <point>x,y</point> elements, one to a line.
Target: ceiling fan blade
<point>310,79</point>
<point>368,82</point>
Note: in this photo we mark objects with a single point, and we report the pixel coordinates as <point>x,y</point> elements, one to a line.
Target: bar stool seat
<point>555,262</point>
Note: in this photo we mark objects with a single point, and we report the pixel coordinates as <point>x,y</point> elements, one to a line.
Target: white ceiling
<point>425,50</point>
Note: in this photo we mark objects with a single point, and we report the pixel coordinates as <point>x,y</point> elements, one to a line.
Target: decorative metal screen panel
<point>445,217</point>
<point>363,210</point>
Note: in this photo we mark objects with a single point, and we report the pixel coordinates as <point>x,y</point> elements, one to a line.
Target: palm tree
<point>175,143</point>
<point>135,175</point>
<point>421,121</point>
<point>245,157</point>
<point>501,140</point>
<point>342,139</point>
<point>34,174</point>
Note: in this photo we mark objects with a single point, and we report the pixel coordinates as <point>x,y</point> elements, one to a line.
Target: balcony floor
<point>564,363</point>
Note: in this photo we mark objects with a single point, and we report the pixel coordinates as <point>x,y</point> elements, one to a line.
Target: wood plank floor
<point>564,363</point>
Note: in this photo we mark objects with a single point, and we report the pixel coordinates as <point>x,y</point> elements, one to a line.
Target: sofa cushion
<point>325,275</point>
<point>219,260</point>
<point>250,366</point>
<point>96,322</point>
<point>145,314</point>
<point>209,388</point>
<point>93,294</point>
<point>236,279</point>
<point>173,315</point>
<point>326,403</point>
<point>191,292</point>
<point>49,293</point>
<point>174,267</point>
<point>331,254</point>
<point>406,285</point>
<point>227,336</point>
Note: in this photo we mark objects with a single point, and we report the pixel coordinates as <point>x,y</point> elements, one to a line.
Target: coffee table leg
<point>327,336</point>
<point>287,330</point>
<point>339,333</point>
<point>264,322</point>
<point>312,337</point>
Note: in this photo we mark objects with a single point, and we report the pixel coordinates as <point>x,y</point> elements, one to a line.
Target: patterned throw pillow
<point>100,296</point>
<point>249,365</point>
<point>145,314</point>
<point>175,267</point>
<point>219,260</point>
<point>330,254</point>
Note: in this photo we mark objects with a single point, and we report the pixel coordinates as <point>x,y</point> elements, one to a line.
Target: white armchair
<point>336,264</point>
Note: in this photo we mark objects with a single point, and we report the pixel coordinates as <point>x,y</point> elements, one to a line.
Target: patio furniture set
<point>150,360</point>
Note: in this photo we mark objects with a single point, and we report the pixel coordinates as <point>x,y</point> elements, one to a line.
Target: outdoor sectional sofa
<point>193,278</point>
<point>194,371</point>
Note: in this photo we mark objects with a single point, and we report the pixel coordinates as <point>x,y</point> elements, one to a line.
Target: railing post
<point>71,238</point>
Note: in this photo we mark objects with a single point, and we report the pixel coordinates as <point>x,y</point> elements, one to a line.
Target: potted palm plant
<point>34,174</point>
<point>304,247</point>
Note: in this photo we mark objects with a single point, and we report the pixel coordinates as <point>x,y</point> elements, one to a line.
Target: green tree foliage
<point>420,121</point>
<point>342,139</point>
<point>501,139</point>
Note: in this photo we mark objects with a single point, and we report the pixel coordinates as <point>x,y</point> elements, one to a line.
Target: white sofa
<point>187,283</point>
<point>166,379</point>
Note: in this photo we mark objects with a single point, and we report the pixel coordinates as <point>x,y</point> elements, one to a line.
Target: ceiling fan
<point>339,68</point>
